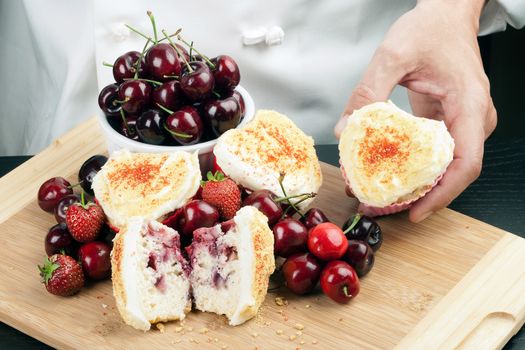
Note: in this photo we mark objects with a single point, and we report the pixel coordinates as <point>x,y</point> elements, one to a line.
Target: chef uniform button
<point>274,36</point>
<point>119,31</point>
<point>270,36</point>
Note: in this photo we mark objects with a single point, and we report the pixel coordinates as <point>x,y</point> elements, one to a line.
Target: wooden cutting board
<point>449,282</point>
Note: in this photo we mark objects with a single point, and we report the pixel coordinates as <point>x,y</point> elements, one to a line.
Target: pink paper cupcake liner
<point>372,211</point>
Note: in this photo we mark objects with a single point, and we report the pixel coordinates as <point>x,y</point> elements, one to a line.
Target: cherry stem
<point>216,94</point>
<point>177,49</point>
<point>198,53</point>
<point>171,76</point>
<point>280,180</point>
<point>191,51</point>
<point>138,32</point>
<point>152,19</point>
<point>357,217</point>
<point>296,203</point>
<point>148,80</point>
<point>345,291</point>
<point>104,63</point>
<point>307,195</point>
<point>164,109</point>
<point>178,134</point>
<point>139,61</point>
<point>125,121</point>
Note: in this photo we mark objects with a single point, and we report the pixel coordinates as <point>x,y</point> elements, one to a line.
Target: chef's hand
<point>432,50</point>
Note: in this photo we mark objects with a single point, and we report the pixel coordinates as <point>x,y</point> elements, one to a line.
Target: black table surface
<point>497,197</point>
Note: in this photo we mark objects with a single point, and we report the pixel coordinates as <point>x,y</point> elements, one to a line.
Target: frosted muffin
<point>390,158</point>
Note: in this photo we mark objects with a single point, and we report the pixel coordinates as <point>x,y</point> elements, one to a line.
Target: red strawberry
<point>62,275</point>
<point>84,221</point>
<point>223,193</point>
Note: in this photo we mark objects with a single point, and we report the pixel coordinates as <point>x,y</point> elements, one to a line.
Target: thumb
<point>384,72</point>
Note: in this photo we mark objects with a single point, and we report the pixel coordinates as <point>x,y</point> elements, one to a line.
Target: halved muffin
<point>390,158</point>
<point>149,274</point>
<point>231,265</point>
<point>145,184</point>
<point>254,156</point>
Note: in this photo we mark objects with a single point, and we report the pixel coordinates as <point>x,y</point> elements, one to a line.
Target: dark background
<point>504,61</point>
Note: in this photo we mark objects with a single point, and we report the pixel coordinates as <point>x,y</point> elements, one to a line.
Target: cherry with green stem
<point>184,125</point>
<point>167,37</point>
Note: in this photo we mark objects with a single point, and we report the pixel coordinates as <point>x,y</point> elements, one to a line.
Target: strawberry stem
<point>47,270</point>
<point>357,217</point>
<point>82,199</point>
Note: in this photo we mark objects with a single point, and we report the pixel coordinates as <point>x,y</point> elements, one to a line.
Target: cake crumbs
<point>279,332</point>
<point>224,347</point>
<point>178,329</point>
<point>209,340</point>
<point>292,337</point>
<point>314,341</point>
<point>160,327</point>
<point>267,323</point>
<point>281,301</point>
<point>308,306</point>
<point>204,330</point>
<point>299,333</point>
<point>302,342</point>
<point>216,340</point>
<point>299,326</point>
<point>190,329</point>
<point>255,334</point>
<point>194,341</point>
<point>105,306</point>
<point>176,341</point>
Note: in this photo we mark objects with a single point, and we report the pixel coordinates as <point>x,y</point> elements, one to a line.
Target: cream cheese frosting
<point>255,155</point>
<point>390,156</point>
<point>146,184</point>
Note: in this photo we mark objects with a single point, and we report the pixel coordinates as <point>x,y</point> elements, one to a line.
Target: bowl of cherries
<point>170,96</point>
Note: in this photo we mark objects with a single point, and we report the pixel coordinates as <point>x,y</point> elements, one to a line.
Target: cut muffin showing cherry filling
<point>150,275</point>
<point>231,264</point>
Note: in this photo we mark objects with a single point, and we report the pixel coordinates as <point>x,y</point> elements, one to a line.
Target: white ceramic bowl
<point>116,141</point>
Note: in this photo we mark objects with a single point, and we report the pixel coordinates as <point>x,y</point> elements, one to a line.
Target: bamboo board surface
<point>449,282</point>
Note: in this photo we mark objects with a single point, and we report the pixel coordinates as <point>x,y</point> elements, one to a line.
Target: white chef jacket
<point>52,53</point>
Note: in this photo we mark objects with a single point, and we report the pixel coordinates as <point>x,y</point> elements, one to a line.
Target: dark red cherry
<point>185,125</point>
<point>360,256</point>
<point>197,214</point>
<point>162,62</point>
<point>222,115</point>
<point>63,204</point>
<point>313,217</point>
<point>106,100</point>
<point>58,240</point>
<point>364,228</point>
<point>184,52</point>
<point>95,260</point>
<point>89,169</point>
<point>51,191</point>
<point>226,73</point>
<point>339,281</point>
<point>135,94</point>
<point>197,84</point>
<point>107,235</point>
<point>168,95</point>
<point>264,201</point>
<point>150,127</point>
<point>290,237</point>
<point>126,65</point>
<point>239,99</point>
<point>301,272</point>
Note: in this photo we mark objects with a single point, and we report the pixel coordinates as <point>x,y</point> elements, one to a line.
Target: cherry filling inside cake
<point>216,268</point>
<point>163,274</point>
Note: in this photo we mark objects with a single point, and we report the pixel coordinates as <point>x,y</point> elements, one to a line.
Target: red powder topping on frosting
<point>143,174</point>
<point>383,149</point>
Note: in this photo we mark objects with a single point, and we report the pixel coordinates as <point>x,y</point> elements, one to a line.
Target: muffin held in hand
<point>390,158</point>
